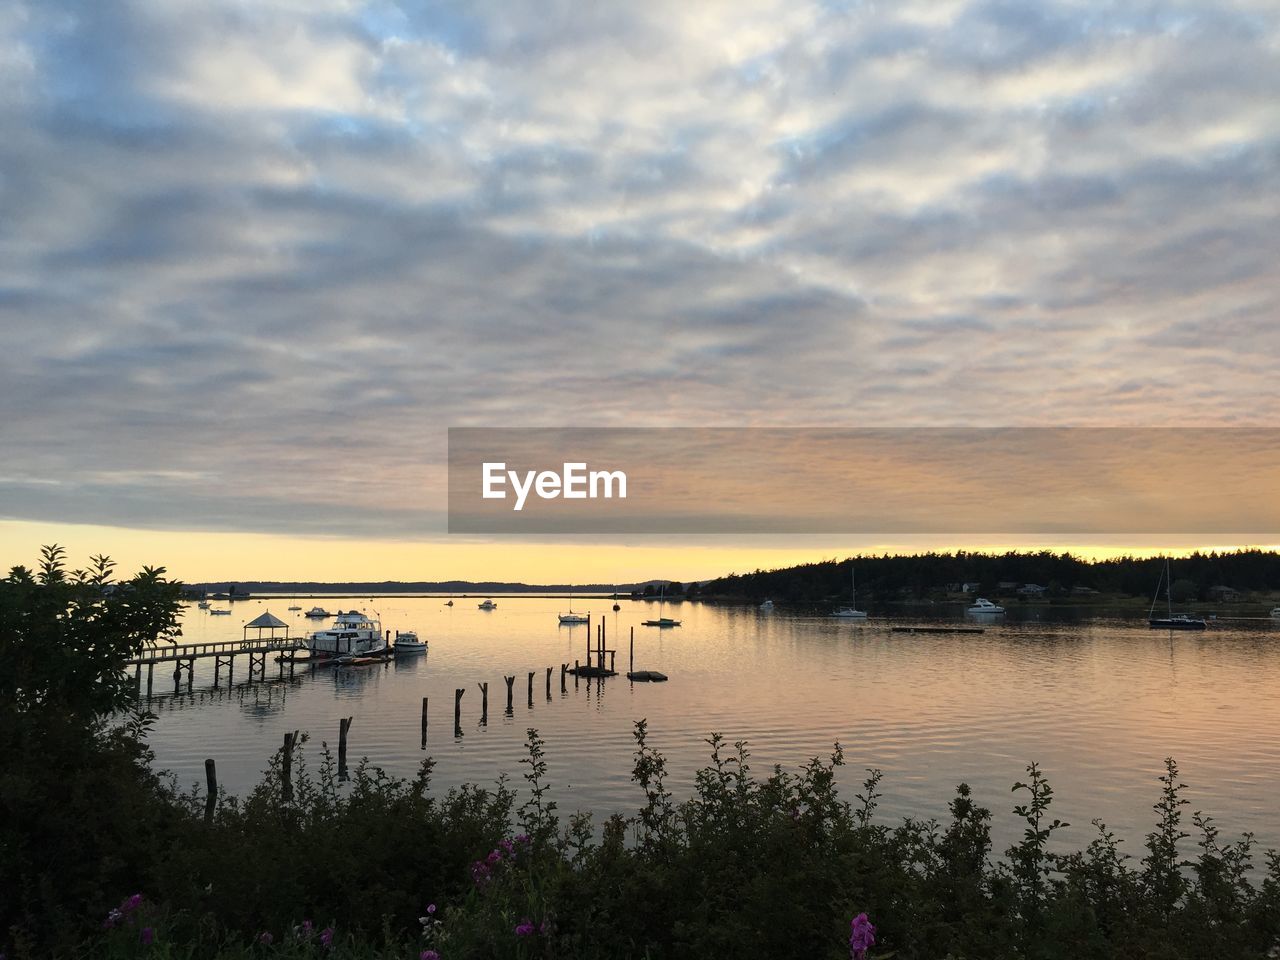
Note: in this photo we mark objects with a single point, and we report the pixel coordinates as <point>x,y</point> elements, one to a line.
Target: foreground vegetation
<point>103,858</point>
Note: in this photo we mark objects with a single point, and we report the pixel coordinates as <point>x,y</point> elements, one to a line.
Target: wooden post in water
<point>548,683</point>
<point>484,702</point>
<point>611,669</point>
<point>457,710</point>
<point>151,670</point>
<point>564,668</point>
<point>286,769</point>
<point>510,680</point>
<point>211,793</point>
<point>344,725</point>
<point>530,688</point>
<point>424,723</point>
<point>631,668</point>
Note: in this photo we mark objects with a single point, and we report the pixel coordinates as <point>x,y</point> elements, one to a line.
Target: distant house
<point>1225,594</point>
<point>1083,591</point>
<point>970,586</point>
<point>1007,585</point>
<point>1032,590</point>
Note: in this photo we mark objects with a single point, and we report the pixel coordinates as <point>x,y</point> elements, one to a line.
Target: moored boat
<point>220,613</point>
<point>318,613</point>
<point>767,605</point>
<point>487,605</point>
<point>1171,620</point>
<point>352,635</point>
<point>407,642</point>
<point>984,606</point>
<point>851,612</point>
<point>661,622</point>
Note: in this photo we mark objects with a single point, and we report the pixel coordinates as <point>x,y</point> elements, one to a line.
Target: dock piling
<point>457,710</point>
<point>548,683</point>
<point>424,723</point>
<point>211,793</point>
<point>564,669</point>
<point>510,680</point>
<point>286,767</point>
<point>484,703</point>
<point>344,726</point>
<point>530,688</point>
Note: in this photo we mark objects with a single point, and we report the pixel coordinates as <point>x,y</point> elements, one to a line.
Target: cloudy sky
<point>256,257</point>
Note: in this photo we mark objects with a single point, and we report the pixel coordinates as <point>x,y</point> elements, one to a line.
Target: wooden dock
<point>224,653</point>
<point>936,630</point>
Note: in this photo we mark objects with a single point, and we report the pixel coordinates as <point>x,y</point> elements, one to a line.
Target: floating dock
<point>936,629</point>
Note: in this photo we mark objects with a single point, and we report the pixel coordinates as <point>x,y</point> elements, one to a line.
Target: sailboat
<point>571,617</point>
<point>852,612</point>
<point>661,621</point>
<point>1171,620</point>
<point>616,607</point>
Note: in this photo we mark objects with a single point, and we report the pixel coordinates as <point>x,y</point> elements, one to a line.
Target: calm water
<point>1098,702</point>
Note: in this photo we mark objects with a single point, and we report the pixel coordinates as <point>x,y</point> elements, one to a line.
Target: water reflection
<point>1094,696</point>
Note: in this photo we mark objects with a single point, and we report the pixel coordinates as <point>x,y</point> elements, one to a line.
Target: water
<point>1098,701</point>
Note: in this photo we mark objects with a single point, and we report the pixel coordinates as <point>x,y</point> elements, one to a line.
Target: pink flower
<point>494,858</point>
<point>147,936</point>
<point>862,935</point>
<point>326,937</point>
<point>131,904</point>
<point>265,938</point>
<point>431,910</point>
<point>428,955</point>
<point>525,928</point>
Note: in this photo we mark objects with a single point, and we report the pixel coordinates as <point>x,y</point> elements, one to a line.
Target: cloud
<point>254,260</point>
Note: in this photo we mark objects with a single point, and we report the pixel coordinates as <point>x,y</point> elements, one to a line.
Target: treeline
<point>929,575</point>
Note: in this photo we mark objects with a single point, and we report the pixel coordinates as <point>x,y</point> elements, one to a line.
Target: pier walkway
<point>224,653</point>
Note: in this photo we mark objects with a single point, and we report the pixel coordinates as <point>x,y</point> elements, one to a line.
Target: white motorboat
<point>318,613</point>
<point>352,634</point>
<point>487,605</point>
<point>767,605</point>
<point>984,606</point>
<point>407,642</point>
<point>851,612</point>
<point>1275,611</point>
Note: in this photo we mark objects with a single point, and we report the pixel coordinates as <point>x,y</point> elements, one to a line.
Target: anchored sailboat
<point>852,612</point>
<point>1171,620</point>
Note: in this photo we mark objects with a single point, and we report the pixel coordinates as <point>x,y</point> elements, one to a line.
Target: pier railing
<point>223,648</point>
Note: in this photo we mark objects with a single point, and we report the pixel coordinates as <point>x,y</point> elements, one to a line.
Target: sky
<point>256,258</point>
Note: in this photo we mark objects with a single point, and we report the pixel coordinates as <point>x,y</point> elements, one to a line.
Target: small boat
<point>1171,620</point>
<point>407,642</point>
<point>983,605</point>
<point>449,603</point>
<point>295,608</point>
<point>203,604</point>
<point>661,622</point>
<point>851,612</point>
<point>571,617</point>
<point>220,613</point>
<point>767,605</point>
<point>487,605</point>
<point>318,613</point>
